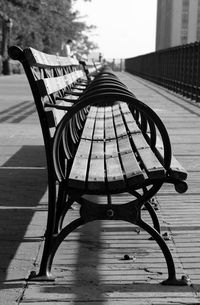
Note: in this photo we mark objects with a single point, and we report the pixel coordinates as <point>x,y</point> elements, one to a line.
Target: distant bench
<point>99,140</point>
<point>91,68</point>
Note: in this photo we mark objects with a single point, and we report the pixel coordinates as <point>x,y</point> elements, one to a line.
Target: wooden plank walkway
<point>89,266</point>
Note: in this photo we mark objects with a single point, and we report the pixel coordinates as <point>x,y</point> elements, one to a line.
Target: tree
<point>45,24</point>
<point>6,29</point>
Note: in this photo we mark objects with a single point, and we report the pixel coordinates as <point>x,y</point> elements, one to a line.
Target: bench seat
<point>113,155</point>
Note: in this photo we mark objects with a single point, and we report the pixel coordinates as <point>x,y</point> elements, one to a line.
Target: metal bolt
<point>110,213</point>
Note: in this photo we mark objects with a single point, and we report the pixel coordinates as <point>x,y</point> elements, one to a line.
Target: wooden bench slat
<point>129,161</point>
<point>99,124</point>
<point>88,129</point>
<point>124,107</point>
<point>41,59</point>
<point>118,121</point>
<point>58,115</point>
<point>130,121</point>
<point>54,116</point>
<point>124,145</point>
<point>77,177</point>
<point>48,86</point>
<point>132,171</point>
<point>111,148</point>
<point>152,166</point>
<point>139,140</point>
<point>78,173</point>
<point>109,129</point>
<point>120,129</point>
<point>99,130</point>
<point>92,113</point>
<point>108,112</point>
<point>96,168</point>
<point>84,148</point>
<point>176,169</point>
<point>115,176</point>
<point>96,175</point>
<point>97,150</point>
<point>100,112</point>
<point>132,126</point>
<point>90,124</point>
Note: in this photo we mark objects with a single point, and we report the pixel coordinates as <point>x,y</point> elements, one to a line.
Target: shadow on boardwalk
<point>23,184</point>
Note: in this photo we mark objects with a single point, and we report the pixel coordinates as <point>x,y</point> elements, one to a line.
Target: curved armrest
<point>109,98</point>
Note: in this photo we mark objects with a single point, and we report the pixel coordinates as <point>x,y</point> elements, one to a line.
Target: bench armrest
<point>109,98</point>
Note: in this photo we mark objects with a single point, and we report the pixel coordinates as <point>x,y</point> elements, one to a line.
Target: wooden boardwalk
<point>89,266</point>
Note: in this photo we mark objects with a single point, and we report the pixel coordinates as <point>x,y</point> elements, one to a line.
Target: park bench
<point>91,68</point>
<point>99,140</point>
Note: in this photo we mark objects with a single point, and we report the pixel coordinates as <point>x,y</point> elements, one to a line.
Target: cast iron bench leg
<point>153,215</point>
<point>172,280</point>
<point>46,263</point>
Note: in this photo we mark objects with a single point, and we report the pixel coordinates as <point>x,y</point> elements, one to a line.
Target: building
<point>178,22</point>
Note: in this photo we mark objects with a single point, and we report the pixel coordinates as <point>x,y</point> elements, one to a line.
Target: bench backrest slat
<point>53,76</point>
<point>40,59</point>
<point>48,86</point>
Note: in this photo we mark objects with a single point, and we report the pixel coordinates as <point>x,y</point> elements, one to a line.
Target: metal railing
<point>176,68</point>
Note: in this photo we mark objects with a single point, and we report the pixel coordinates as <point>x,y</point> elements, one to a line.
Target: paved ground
<point>88,267</point>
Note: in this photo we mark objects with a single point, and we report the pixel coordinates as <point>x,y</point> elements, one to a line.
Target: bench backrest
<point>51,77</point>
<point>91,68</point>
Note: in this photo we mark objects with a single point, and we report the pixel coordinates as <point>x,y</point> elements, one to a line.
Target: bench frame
<point>79,96</point>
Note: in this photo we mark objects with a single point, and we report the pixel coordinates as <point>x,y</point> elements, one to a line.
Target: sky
<point>125,28</point>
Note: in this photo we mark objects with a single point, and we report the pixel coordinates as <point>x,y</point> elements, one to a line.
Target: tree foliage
<point>45,24</point>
